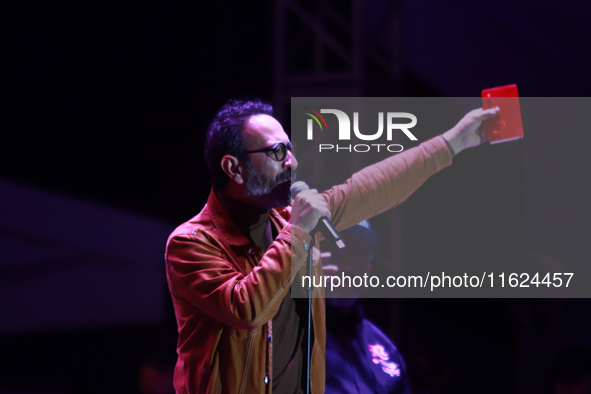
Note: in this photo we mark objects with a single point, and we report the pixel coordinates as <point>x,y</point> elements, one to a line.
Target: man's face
<point>267,180</point>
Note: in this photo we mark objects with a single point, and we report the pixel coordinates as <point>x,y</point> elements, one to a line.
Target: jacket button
<point>269,338</point>
<point>267,379</point>
<point>252,251</point>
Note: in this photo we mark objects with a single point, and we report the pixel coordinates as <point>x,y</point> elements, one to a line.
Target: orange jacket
<point>225,290</point>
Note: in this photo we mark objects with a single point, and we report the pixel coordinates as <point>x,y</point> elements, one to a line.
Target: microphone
<point>324,225</point>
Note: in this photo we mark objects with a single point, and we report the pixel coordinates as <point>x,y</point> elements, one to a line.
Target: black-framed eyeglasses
<point>277,152</point>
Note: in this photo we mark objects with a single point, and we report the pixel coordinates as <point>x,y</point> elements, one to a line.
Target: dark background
<point>109,103</point>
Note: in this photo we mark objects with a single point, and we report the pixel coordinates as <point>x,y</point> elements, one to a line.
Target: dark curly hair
<point>225,134</point>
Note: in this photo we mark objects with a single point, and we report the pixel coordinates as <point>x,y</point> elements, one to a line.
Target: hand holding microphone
<point>310,212</point>
<point>307,207</point>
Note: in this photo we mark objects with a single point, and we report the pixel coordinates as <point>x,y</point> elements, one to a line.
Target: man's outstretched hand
<point>470,131</point>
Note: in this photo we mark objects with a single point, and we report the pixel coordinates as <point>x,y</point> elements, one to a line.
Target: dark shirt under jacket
<point>360,358</point>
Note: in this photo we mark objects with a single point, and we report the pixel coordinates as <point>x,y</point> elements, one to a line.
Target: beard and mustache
<point>257,185</point>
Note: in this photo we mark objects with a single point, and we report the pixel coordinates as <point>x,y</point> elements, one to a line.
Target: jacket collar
<point>227,226</point>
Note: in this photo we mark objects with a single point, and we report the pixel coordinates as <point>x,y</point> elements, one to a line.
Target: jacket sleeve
<point>199,271</point>
<point>386,184</point>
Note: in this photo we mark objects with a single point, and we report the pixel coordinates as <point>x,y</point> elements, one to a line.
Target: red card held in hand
<point>508,125</point>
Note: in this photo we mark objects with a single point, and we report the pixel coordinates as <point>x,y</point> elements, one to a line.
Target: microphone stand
<point>310,261</point>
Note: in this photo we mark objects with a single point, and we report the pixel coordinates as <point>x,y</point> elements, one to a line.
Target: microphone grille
<point>298,187</point>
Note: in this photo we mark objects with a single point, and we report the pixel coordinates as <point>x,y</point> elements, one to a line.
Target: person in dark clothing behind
<point>360,358</point>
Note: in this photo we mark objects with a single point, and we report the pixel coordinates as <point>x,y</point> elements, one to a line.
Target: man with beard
<point>230,268</point>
